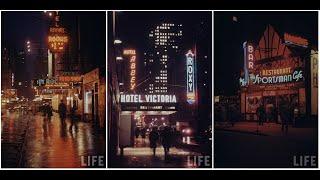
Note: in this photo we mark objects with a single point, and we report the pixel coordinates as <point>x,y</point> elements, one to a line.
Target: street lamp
<point>117,41</point>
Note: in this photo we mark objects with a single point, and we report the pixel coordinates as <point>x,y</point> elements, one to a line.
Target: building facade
<point>164,49</point>
<point>277,71</point>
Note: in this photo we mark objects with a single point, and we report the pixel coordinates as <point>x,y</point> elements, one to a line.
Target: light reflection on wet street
<point>51,143</point>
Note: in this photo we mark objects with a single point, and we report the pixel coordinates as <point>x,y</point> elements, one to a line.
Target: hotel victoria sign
<point>147,98</point>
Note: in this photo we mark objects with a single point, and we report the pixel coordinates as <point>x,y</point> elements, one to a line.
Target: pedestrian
<point>166,138</point>
<point>137,132</point>
<point>62,111</point>
<point>143,132</point>
<point>49,112</point>
<point>153,139</point>
<point>44,110</point>
<point>261,114</point>
<point>73,118</point>
<point>284,115</point>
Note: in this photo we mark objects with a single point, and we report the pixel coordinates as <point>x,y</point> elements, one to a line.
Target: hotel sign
<point>148,98</point>
<point>190,77</point>
<point>132,66</point>
<point>57,39</point>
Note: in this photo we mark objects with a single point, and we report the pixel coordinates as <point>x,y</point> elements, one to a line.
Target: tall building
<point>7,74</point>
<point>163,50</point>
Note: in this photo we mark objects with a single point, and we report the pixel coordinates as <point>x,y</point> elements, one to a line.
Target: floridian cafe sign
<point>274,77</point>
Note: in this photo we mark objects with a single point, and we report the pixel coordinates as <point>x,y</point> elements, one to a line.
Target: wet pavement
<point>49,143</point>
<point>141,156</point>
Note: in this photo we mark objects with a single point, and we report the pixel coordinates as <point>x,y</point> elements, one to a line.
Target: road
<point>244,150</point>
<point>34,141</point>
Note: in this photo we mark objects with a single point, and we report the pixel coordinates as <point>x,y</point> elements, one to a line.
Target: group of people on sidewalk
<point>62,110</point>
<point>287,112</point>
<point>166,136</point>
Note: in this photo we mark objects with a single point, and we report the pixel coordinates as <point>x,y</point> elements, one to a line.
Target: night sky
<point>18,27</point>
<point>229,36</point>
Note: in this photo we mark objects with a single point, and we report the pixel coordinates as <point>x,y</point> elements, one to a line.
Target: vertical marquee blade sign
<point>191,94</point>
<point>57,39</point>
<point>248,60</point>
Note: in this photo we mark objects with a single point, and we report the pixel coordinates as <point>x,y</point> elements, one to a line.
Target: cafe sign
<point>257,79</point>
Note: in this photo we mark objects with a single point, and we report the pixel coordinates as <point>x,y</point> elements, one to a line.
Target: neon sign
<point>190,77</point>
<point>57,39</point>
<point>148,98</point>
<point>295,40</point>
<point>132,66</point>
<point>296,76</point>
<point>250,56</point>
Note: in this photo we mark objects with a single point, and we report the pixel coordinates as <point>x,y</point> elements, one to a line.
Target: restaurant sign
<point>295,76</point>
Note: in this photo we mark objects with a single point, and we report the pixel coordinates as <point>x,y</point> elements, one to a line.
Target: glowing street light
<point>117,41</point>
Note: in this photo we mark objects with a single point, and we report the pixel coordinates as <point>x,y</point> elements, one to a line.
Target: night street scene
<point>53,89</point>
<point>159,89</point>
<point>266,89</point>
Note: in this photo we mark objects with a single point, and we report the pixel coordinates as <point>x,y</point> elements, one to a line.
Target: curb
<point>240,131</point>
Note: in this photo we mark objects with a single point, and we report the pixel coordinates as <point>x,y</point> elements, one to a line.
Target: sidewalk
<point>268,129</point>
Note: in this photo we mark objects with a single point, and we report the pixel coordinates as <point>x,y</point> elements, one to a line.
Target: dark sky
<point>18,27</point>
<point>229,36</point>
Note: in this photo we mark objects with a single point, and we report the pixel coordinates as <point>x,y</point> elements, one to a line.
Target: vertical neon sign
<point>190,77</point>
<point>248,60</point>
<point>132,66</point>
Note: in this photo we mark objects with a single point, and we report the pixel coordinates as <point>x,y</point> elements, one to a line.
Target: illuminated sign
<point>248,60</point>
<point>129,52</point>
<point>190,77</point>
<point>69,78</point>
<point>295,40</point>
<point>132,66</point>
<point>250,56</point>
<point>148,98</point>
<point>57,39</point>
<point>296,76</point>
<point>273,72</point>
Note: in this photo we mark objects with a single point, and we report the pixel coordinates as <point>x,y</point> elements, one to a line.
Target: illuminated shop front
<point>278,69</point>
<point>94,97</point>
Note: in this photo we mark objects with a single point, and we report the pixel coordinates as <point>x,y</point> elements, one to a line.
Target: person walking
<point>49,112</point>
<point>166,138</point>
<point>153,139</point>
<point>284,115</point>
<point>73,118</point>
<point>62,111</point>
<point>261,114</point>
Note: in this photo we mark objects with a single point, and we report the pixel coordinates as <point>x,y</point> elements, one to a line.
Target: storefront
<point>94,97</point>
<point>276,71</point>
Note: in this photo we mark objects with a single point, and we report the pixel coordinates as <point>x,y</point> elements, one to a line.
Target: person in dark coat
<point>73,118</point>
<point>62,111</point>
<point>166,139</point>
<point>153,138</point>
<point>284,115</point>
<point>261,114</point>
<point>49,112</point>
